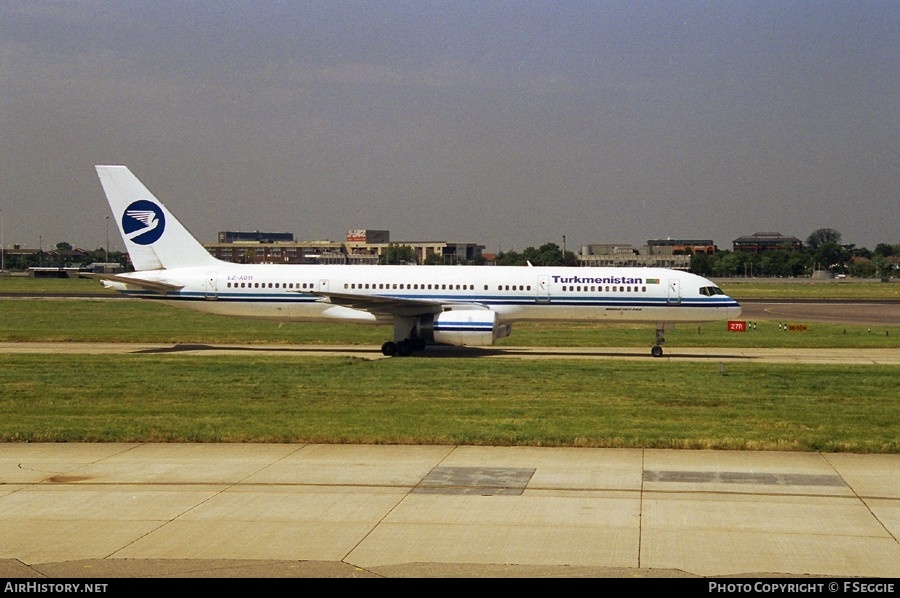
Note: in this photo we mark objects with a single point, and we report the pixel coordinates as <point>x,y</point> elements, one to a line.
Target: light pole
<point>2,246</point>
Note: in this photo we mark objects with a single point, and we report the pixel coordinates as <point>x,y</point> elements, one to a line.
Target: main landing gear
<point>402,348</point>
<point>406,329</point>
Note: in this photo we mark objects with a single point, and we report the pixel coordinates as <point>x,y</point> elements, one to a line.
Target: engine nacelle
<point>463,327</point>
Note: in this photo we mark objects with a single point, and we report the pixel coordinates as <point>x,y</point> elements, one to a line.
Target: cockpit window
<point>710,291</point>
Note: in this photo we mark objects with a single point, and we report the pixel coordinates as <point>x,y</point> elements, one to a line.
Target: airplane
<point>426,305</point>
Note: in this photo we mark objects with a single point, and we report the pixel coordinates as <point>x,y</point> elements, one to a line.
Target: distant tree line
<point>548,254</point>
<point>62,256</point>
<point>823,251</point>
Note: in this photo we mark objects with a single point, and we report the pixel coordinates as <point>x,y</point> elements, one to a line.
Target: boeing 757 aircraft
<point>458,305</point>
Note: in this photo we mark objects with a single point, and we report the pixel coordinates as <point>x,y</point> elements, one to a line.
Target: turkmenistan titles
<point>600,280</point>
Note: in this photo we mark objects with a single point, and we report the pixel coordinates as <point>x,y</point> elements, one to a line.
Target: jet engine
<point>463,327</point>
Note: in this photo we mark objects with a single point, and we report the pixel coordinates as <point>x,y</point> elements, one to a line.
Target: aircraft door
<point>543,289</point>
<point>212,286</point>
<point>674,290</point>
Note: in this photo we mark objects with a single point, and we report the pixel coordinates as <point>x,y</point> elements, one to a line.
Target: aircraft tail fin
<point>154,238</point>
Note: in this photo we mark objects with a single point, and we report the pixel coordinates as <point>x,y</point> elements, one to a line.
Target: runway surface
<point>281,510</point>
<point>875,313</point>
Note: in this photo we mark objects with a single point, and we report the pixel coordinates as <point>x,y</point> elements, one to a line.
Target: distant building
<point>368,236</point>
<point>362,246</point>
<point>447,252</point>
<point>680,246</point>
<point>255,236</point>
<point>621,255</point>
<point>608,249</point>
<point>758,242</point>
<point>284,252</point>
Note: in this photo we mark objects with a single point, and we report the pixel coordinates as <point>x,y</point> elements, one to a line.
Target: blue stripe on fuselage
<point>556,300</point>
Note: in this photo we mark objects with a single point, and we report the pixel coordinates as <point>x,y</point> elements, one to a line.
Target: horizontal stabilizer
<point>150,285</point>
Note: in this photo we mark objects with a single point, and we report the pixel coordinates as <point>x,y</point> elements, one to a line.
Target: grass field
<point>548,402</point>
<point>552,402</point>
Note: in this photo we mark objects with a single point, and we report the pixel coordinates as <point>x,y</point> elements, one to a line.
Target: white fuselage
<point>515,293</point>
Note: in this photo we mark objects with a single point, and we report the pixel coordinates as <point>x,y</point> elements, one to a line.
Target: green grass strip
<point>180,398</point>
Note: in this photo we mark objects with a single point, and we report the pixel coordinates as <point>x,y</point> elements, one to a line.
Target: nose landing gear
<point>657,349</point>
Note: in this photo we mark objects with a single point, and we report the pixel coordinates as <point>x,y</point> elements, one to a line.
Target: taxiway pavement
<point>282,510</point>
<point>880,356</point>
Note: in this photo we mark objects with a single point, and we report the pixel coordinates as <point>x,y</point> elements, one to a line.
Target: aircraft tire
<point>389,348</point>
<point>656,351</point>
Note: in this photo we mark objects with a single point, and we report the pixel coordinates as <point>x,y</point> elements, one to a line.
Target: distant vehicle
<point>459,305</point>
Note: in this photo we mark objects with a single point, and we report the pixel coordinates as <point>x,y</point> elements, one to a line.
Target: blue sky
<point>509,124</point>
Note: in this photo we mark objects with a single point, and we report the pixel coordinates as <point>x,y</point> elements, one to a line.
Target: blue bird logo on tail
<point>143,222</point>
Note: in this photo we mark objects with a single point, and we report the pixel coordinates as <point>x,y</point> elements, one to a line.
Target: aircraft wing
<point>150,285</point>
<point>378,304</point>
